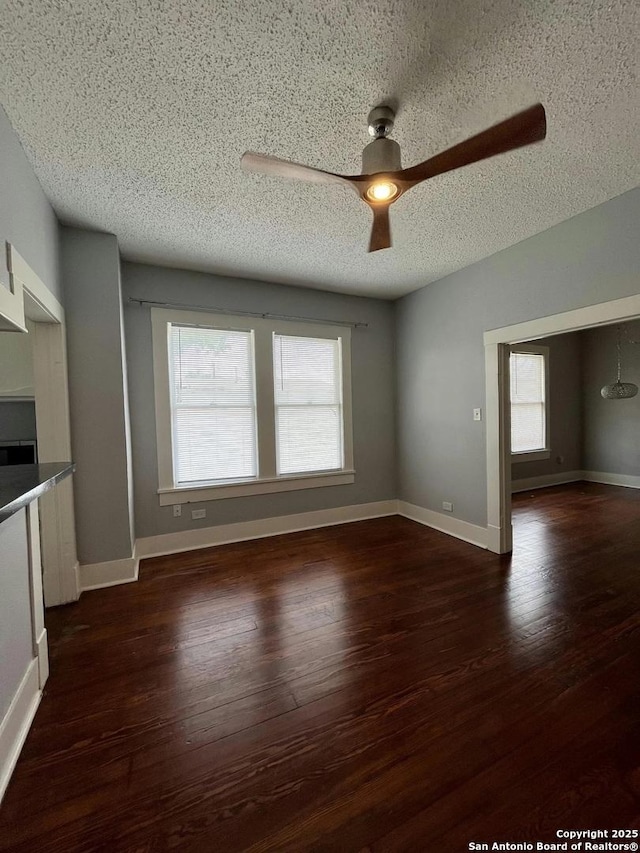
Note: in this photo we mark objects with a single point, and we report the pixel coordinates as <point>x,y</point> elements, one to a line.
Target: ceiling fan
<point>383,180</point>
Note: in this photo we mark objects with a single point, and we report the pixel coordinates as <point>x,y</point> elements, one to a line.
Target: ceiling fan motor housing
<point>381,155</point>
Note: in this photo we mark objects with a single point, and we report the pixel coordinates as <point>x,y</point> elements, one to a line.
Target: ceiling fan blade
<point>521,129</point>
<point>380,230</point>
<point>267,165</point>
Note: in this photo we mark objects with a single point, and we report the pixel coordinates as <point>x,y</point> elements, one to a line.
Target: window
<point>308,399</point>
<point>213,404</point>
<point>249,406</point>
<point>529,406</point>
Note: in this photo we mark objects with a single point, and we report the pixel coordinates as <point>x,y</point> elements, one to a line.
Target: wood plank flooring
<point>374,687</point>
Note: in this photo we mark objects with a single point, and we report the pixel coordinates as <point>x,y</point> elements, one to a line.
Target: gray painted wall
<point>611,428</point>
<point>97,395</point>
<point>17,420</point>
<point>591,258</point>
<point>373,392</point>
<point>27,219</point>
<point>565,410</point>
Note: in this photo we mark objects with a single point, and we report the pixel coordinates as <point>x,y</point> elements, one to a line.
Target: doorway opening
<point>498,348</point>
<point>29,310</point>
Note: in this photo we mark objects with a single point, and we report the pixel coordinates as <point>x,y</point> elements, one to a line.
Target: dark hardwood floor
<point>375,687</point>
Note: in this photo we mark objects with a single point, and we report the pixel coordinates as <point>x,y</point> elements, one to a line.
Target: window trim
<point>267,481</point>
<point>543,452</point>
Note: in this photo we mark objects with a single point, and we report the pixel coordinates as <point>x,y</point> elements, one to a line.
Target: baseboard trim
<point>207,537</point>
<point>111,573</point>
<point>527,484</point>
<point>17,722</point>
<point>497,540</point>
<point>76,591</point>
<point>471,533</point>
<point>631,481</point>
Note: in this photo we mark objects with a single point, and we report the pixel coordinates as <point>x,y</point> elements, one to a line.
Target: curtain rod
<point>264,315</point>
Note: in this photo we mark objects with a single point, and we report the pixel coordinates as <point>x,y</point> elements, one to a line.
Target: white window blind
<point>308,404</point>
<point>213,408</point>
<point>528,416</point>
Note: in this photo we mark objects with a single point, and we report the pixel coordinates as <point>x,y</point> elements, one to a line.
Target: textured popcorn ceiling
<point>135,114</point>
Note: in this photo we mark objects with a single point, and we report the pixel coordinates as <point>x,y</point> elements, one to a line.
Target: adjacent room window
<point>529,403</point>
<point>249,406</point>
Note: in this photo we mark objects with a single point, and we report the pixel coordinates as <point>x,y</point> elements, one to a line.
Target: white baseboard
<point>472,533</point>
<point>112,573</point>
<point>206,537</point>
<point>99,575</point>
<point>17,722</point>
<point>528,483</point>
<point>497,540</point>
<point>631,481</point>
<point>75,589</point>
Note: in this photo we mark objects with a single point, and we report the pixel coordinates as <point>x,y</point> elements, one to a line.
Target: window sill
<point>195,494</point>
<point>530,456</point>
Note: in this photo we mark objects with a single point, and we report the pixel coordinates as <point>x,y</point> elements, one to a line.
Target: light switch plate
<point>477,414</point>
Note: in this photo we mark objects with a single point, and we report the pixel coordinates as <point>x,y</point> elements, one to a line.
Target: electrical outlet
<point>447,505</point>
<point>477,414</point>
<point>198,513</point>
<point>177,510</point>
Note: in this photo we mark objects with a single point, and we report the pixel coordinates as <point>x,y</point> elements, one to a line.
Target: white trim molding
<point>57,513</point>
<point>42,652</point>
<point>12,316</point>
<point>498,420</point>
<point>630,481</point>
<point>527,484</point>
<point>111,573</point>
<point>600,314</point>
<point>474,534</point>
<point>225,534</point>
<point>99,575</point>
<point>39,303</point>
<point>530,456</point>
<point>115,572</point>
<point>186,495</point>
<point>17,722</point>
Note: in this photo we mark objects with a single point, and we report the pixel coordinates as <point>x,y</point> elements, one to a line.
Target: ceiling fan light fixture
<point>382,191</point>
